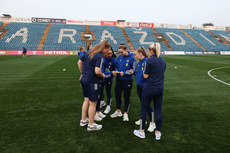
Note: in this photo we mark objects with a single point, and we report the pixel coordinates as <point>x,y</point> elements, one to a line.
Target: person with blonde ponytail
<point>90,66</point>
<point>141,55</point>
<point>153,89</point>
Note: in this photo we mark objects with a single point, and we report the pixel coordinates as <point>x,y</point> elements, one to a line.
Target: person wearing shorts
<point>90,66</point>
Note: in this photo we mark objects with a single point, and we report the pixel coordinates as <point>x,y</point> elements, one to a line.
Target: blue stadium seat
<point>142,37</point>
<point>207,41</point>
<point>178,40</point>
<point>21,35</point>
<point>64,37</point>
<point>223,34</point>
<point>113,34</point>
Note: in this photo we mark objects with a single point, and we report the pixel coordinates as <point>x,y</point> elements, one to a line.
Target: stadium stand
<point>127,38</point>
<point>206,40</point>
<point>64,37</point>
<point>22,35</point>
<point>2,30</point>
<point>161,38</point>
<point>44,36</point>
<point>222,36</point>
<point>112,33</point>
<point>178,40</point>
<point>142,37</point>
<point>58,37</point>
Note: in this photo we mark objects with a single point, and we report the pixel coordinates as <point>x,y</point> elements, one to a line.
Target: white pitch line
<point>209,73</point>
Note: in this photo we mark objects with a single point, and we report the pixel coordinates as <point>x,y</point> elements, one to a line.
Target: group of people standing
<point>99,65</point>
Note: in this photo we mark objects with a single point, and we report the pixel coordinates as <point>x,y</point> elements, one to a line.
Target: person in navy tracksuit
<point>153,89</point>
<point>109,71</point>
<point>140,54</point>
<point>125,67</point>
<point>99,115</point>
<point>81,52</point>
<point>90,66</point>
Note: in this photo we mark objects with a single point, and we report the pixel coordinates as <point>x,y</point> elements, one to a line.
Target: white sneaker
<point>101,115</point>
<point>102,104</point>
<point>116,114</point>
<point>139,134</point>
<point>107,110</point>
<point>97,117</point>
<point>158,136</point>
<point>152,127</point>
<point>84,123</point>
<point>95,127</point>
<point>139,122</point>
<point>125,117</point>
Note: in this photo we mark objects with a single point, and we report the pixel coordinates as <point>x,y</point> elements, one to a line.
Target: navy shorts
<point>91,90</point>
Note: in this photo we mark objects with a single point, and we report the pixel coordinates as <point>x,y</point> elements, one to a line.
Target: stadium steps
<point>3,31</point>
<point>220,39</point>
<point>88,41</point>
<point>127,38</point>
<point>194,40</point>
<point>87,31</point>
<point>3,26</point>
<point>45,34</point>
<point>165,42</point>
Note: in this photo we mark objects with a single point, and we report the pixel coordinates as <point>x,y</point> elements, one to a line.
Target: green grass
<point>40,109</point>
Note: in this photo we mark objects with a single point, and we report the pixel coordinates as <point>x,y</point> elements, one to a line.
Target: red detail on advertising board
<point>147,25</point>
<point>109,23</point>
<point>75,21</point>
<point>227,28</point>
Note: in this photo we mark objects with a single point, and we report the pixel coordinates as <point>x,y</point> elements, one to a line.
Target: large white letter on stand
<point>107,34</point>
<point>61,35</point>
<point>22,33</point>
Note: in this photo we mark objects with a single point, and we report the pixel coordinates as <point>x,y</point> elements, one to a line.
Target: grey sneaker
<point>102,104</point>
<point>97,117</point>
<point>95,127</point>
<point>84,123</point>
<point>125,117</point>
<point>158,136</point>
<point>139,122</point>
<point>139,134</point>
<point>101,115</point>
<point>107,110</point>
<point>152,126</point>
<point>116,114</point>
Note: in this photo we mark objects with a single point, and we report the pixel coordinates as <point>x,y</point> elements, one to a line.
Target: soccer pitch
<point>40,108</point>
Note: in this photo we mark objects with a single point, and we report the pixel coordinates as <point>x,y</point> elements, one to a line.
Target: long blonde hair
<point>156,48</point>
<point>98,48</point>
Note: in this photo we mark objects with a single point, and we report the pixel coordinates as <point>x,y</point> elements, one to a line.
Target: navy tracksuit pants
<point>126,86</point>
<point>100,96</point>
<point>150,109</point>
<point>149,94</point>
<point>108,87</point>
